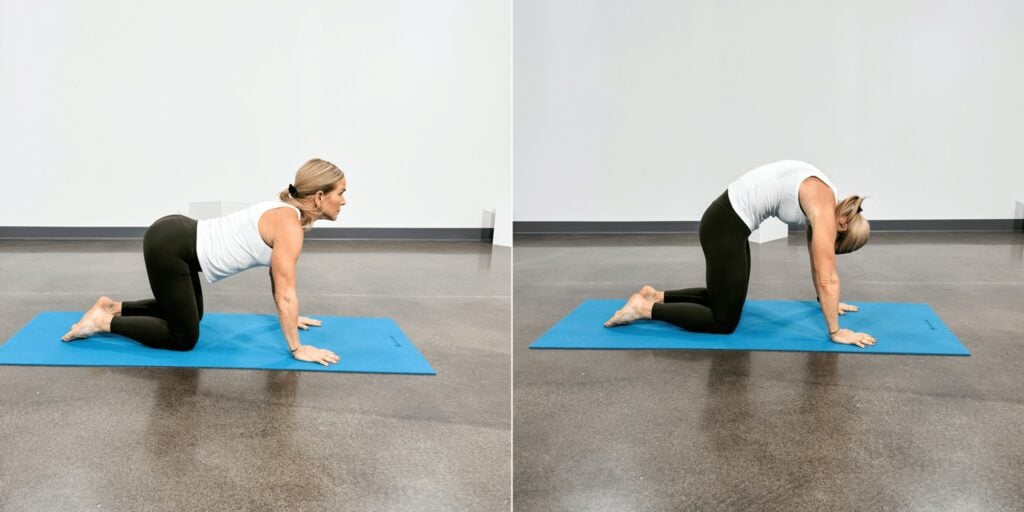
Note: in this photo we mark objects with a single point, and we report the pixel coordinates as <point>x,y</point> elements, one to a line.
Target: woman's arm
<point>304,322</point>
<point>283,259</point>
<point>814,276</point>
<point>843,308</point>
<point>823,271</point>
<point>826,280</point>
<point>819,204</point>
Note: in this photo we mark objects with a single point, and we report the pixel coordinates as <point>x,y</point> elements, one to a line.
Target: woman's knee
<point>728,323</point>
<point>729,327</point>
<point>186,340</point>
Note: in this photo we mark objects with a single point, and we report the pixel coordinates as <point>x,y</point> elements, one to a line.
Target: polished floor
<point>183,439</point>
<point>690,430</point>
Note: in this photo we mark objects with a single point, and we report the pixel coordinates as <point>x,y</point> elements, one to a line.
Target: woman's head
<point>318,191</point>
<point>852,229</point>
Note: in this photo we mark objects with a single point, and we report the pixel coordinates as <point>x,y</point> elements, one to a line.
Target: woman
<point>176,248</point>
<point>795,192</point>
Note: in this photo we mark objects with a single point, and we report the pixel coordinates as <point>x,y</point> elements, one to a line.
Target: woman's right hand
<point>315,355</point>
<point>848,337</point>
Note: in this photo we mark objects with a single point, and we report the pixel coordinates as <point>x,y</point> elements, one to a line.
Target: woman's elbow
<point>285,297</point>
<point>829,282</point>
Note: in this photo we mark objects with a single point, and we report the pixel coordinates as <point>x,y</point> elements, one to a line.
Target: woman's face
<point>334,200</point>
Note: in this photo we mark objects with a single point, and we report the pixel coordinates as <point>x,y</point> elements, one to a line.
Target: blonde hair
<point>314,176</point>
<point>857,228</point>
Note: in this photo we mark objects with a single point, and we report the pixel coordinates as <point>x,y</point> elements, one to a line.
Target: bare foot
<point>97,319</point>
<point>649,293</point>
<point>109,305</point>
<point>636,308</point>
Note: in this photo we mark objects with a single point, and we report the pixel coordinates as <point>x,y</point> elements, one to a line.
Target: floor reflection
<point>728,403</point>
<point>744,427</point>
<point>828,414</point>
<point>243,444</point>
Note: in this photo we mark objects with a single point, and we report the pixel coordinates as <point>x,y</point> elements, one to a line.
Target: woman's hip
<point>720,222</point>
<point>172,236</point>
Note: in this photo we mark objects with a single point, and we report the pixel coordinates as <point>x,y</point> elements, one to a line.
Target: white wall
<point>645,110</point>
<point>116,113</point>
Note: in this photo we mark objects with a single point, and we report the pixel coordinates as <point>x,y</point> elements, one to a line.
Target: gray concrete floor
<point>183,439</point>
<point>681,430</point>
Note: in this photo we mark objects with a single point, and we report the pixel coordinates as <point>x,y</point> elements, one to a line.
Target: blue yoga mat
<point>226,340</point>
<point>787,326</point>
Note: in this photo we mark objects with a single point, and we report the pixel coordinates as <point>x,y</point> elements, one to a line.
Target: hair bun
<point>293,191</point>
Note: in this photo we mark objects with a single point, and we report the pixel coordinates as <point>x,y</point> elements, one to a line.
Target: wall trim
<point>661,227</point>
<point>129,233</point>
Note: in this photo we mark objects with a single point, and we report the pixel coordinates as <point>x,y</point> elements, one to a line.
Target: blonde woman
<point>177,248</point>
<point>795,192</point>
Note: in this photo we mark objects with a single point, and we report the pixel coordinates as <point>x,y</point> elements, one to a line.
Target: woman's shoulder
<point>278,214</point>
<point>277,223</point>
<point>277,208</point>
<point>815,197</point>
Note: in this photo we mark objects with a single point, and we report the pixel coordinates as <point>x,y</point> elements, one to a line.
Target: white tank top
<point>230,244</point>
<point>773,190</point>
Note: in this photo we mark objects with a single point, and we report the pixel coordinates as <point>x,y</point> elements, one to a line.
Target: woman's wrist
<point>833,333</point>
<point>294,349</point>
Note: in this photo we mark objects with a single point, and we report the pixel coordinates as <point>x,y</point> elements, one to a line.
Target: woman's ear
<point>842,224</point>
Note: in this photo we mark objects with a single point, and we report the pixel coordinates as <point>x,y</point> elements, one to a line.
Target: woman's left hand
<point>305,323</point>
<point>844,308</point>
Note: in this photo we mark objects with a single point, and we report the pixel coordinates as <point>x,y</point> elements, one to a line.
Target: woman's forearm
<point>828,295</point>
<point>288,315</point>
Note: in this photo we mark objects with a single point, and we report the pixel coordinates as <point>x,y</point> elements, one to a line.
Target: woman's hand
<point>848,337</point>
<point>315,355</point>
<point>305,323</point>
<point>844,308</point>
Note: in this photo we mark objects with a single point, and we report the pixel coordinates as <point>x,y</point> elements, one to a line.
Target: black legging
<point>170,319</point>
<point>717,308</point>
